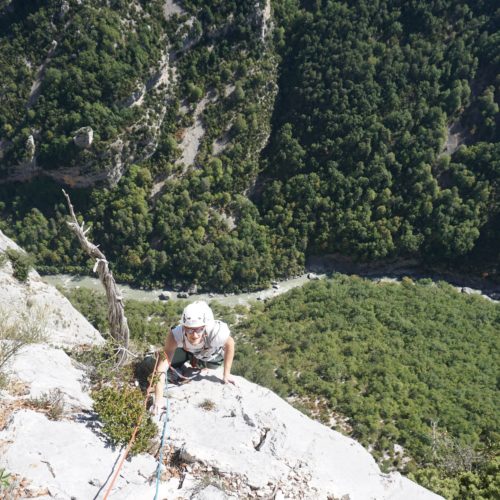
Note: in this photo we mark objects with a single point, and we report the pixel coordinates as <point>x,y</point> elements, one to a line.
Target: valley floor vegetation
<point>413,364</point>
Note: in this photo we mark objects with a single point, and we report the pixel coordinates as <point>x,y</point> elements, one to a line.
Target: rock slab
<point>64,325</point>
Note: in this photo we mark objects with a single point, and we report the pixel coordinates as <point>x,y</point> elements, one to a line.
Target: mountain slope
<point>261,135</point>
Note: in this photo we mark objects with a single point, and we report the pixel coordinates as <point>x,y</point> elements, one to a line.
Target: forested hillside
<point>68,65</point>
<point>370,94</point>
<point>230,141</point>
<point>410,370</point>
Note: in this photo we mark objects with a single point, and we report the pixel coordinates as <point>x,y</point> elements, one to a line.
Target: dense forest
<point>87,62</point>
<point>410,370</point>
<point>369,95</point>
<point>366,129</point>
<point>413,364</point>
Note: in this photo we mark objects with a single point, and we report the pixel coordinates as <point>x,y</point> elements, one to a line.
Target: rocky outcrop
<point>170,8</point>
<point>260,445</point>
<point>193,135</point>
<point>65,8</point>
<point>64,326</point>
<point>42,369</point>
<point>67,458</point>
<point>265,19</point>
<point>101,157</point>
<point>30,148</point>
<point>238,441</point>
<point>84,137</point>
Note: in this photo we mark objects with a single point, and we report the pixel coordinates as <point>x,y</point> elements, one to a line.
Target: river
<point>319,268</point>
<point>67,281</point>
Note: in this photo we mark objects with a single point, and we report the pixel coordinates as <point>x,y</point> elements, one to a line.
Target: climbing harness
<point>179,376</point>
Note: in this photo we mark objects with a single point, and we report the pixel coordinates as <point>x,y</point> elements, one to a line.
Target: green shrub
<point>92,304</point>
<point>195,93</point>
<point>21,263</point>
<point>100,361</point>
<point>18,331</point>
<point>4,381</point>
<point>4,478</point>
<point>394,359</point>
<point>119,409</point>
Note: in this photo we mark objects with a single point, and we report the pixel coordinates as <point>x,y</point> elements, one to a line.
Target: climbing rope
<point>136,429</point>
<point>166,419</point>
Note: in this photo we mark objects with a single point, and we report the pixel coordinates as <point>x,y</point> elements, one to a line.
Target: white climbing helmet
<point>197,314</point>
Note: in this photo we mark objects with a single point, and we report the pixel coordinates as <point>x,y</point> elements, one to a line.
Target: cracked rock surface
<point>252,434</point>
<point>273,452</point>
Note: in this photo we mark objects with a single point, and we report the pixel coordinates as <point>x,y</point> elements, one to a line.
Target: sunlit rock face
<point>36,301</point>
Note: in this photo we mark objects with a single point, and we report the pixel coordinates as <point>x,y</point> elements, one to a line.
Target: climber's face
<point>194,335</point>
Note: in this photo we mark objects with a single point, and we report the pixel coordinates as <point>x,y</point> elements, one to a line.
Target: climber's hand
<point>157,407</point>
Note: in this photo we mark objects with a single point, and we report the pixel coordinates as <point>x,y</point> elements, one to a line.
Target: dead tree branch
<point>116,312</point>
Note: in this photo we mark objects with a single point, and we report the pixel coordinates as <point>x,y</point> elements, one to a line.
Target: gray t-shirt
<point>211,348</point>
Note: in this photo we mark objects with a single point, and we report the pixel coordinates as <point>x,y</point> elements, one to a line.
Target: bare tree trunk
<point>116,312</point>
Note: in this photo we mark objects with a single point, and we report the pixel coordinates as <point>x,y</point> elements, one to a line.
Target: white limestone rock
<point>44,369</point>
<point>64,325</point>
<point>65,8</point>
<point>250,444</point>
<point>30,148</point>
<point>211,492</point>
<point>84,137</point>
<point>253,433</point>
<point>71,460</point>
<point>165,295</point>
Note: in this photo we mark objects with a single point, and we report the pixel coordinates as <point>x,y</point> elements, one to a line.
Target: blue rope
<point>163,434</point>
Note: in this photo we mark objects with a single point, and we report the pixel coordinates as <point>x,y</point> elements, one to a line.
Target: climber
<point>199,339</point>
